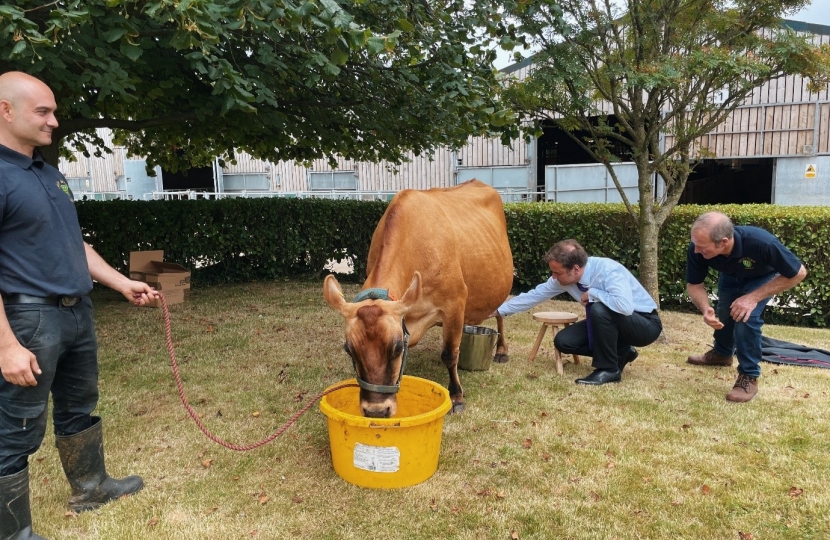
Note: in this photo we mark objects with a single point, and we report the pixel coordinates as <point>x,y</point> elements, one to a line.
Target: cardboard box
<point>170,278</point>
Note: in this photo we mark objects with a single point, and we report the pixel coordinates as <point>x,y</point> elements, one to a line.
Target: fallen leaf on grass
<point>795,492</point>
<point>153,521</point>
<point>705,489</point>
<point>527,443</point>
<point>433,505</point>
<point>263,499</point>
<point>500,495</point>
<point>744,536</point>
<point>686,426</point>
<point>255,414</point>
<point>296,499</point>
<point>211,510</point>
<point>69,514</point>
<point>546,457</point>
<point>206,463</point>
<point>514,535</point>
<point>484,492</point>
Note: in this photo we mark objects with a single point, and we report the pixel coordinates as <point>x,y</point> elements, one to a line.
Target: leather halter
<point>381,294</point>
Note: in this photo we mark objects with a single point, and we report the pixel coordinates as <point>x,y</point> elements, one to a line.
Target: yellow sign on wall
<point>810,172</point>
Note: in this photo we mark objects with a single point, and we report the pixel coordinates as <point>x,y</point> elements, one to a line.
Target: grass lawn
<point>660,456</point>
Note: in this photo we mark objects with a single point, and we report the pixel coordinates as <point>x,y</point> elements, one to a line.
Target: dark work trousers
<point>614,335</point>
<point>743,338</point>
<point>63,341</point>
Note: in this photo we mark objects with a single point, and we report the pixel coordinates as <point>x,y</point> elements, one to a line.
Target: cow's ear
<point>333,294</point>
<point>413,293</point>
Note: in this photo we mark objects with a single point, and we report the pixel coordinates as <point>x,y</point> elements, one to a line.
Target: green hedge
<point>234,240</point>
<point>239,240</point>
<point>607,230</point>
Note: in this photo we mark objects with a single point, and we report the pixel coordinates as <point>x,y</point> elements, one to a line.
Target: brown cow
<point>438,258</point>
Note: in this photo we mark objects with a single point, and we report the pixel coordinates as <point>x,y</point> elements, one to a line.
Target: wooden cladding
<point>769,131</point>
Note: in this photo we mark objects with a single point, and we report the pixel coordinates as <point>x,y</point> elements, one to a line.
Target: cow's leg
<point>501,344</point>
<point>449,355</point>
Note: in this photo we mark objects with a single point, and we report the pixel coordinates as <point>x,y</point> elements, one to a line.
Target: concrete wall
<point>791,185</point>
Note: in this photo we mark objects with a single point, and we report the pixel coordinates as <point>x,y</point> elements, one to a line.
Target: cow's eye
<point>347,349</point>
<point>397,350</point>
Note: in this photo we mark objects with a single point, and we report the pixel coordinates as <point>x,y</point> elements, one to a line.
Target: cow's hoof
<point>457,408</point>
<point>501,358</point>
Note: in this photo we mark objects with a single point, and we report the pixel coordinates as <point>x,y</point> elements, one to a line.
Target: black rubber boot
<point>15,515</point>
<point>82,457</point>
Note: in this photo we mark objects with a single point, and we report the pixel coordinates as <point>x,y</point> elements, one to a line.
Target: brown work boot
<point>711,358</point>
<point>744,390</point>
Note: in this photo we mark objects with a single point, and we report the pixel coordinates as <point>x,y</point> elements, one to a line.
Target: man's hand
<point>139,293</point>
<point>711,319</point>
<point>742,308</point>
<point>584,299</point>
<point>18,365</point>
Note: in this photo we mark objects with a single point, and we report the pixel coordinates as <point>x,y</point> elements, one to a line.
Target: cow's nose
<point>377,412</point>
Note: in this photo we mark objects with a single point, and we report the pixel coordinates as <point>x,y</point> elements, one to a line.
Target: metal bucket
<point>476,350</point>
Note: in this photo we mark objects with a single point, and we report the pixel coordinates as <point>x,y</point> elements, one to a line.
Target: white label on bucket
<point>377,458</point>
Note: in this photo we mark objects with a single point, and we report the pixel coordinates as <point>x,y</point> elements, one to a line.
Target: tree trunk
<point>649,233</point>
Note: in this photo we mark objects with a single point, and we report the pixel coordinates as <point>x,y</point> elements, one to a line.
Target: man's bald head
<point>15,85</point>
<point>27,112</point>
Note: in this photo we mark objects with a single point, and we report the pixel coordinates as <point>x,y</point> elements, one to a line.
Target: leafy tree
<point>657,66</point>
<point>182,81</point>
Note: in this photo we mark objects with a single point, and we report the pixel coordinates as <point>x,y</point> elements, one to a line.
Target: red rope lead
<point>175,366</point>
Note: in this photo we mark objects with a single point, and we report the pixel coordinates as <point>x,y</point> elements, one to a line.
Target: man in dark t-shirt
<point>753,266</point>
<point>47,332</point>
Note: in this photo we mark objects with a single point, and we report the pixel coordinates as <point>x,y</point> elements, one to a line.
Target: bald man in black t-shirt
<point>47,333</point>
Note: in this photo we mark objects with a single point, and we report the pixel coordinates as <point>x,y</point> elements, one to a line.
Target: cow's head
<point>376,343</point>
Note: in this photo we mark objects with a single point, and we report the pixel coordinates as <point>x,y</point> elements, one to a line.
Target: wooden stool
<point>557,320</point>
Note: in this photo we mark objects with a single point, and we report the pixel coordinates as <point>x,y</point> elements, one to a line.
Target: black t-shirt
<point>41,247</point>
<point>756,253</point>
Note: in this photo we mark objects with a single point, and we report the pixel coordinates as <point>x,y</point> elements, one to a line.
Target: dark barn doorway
<point>555,147</point>
<point>196,179</point>
<point>730,181</point>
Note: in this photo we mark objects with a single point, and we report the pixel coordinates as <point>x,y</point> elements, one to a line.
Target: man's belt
<point>55,300</point>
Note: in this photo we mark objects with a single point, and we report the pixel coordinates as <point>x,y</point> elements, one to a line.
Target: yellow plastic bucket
<point>387,452</point>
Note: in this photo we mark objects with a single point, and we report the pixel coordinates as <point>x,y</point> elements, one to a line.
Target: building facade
<point>774,148</point>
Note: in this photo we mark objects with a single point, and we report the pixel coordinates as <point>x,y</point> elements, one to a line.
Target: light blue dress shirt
<point>608,282</point>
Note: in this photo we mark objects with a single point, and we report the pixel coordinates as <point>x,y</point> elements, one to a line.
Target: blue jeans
<point>63,341</point>
<point>741,338</point>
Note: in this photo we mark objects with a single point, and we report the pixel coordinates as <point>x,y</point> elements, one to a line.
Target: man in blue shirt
<point>47,332</point>
<point>620,314</point>
<point>753,267</point>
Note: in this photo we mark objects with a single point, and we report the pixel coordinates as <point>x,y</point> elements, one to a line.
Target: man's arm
<point>700,298</point>
<point>524,301</point>
<point>742,307</point>
<point>137,292</point>
<point>17,364</point>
